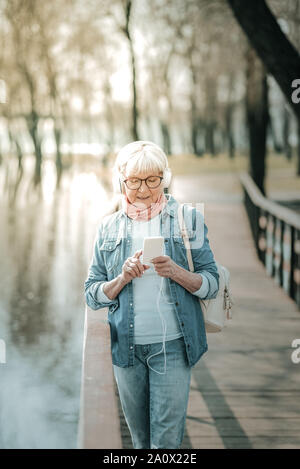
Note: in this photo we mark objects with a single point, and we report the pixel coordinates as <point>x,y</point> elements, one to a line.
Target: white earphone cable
<point>164,331</point>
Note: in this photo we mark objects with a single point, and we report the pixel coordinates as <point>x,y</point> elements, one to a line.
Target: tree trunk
<point>210,114</point>
<point>210,138</point>
<point>229,130</point>
<point>198,137</point>
<point>14,141</point>
<point>298,152</point>
<point>134,92</point>
<point>277,53</point>
<point>286,133</point>
<point>195,138</point>
<point>109,120</point>
<point>196,127</point>
<point>134,129</point>
<point>257,116</point>
<point>276,144</point>
<point>58,160</point>
<point>166,138</point>
<point>193,104</point>
<point>32,121</point>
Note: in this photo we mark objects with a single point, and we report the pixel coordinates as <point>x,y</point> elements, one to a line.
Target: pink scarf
<point>143,214</point>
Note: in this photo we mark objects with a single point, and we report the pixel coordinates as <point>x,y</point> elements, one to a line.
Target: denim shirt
<point>111,249</point>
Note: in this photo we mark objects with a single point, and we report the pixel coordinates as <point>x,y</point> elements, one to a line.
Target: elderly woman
<point>156,322</point>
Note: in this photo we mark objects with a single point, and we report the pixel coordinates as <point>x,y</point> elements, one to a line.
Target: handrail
<point>285,214</point>
<point>99,422</point>
<point>276,233</point>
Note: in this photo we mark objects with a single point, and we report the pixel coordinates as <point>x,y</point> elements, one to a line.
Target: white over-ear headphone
<point>167,176</point>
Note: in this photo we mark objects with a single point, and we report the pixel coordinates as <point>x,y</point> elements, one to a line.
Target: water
<point>46,245</point>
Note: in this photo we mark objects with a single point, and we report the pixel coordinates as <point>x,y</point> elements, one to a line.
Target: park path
<point>245,391</point>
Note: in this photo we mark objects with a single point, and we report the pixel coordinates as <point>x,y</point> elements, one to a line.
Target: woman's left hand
<point>164,266</point>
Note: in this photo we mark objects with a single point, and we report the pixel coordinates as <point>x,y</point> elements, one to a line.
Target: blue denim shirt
<point>112,248</point>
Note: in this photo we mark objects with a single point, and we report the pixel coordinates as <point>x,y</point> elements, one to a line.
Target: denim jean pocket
<point>111,250</point>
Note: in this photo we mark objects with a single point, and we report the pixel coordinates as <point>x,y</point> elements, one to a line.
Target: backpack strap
<point>186,241</point>
<point>185,237</point>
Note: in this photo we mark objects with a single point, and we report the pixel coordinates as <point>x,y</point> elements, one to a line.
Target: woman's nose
<point>143,187</point>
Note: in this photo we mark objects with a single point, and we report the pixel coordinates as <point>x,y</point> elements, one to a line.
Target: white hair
<point>139,157</point>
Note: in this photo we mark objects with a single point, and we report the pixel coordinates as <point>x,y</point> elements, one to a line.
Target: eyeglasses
<point>151,181</point>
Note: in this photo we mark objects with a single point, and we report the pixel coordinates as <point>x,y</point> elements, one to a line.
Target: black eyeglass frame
<point>141,180</point>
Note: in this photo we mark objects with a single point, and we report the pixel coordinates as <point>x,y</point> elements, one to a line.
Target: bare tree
<point>263,31</point>
<point>257,116</point>
<point>121,12</point>
<point>19,13</point>
<point>167,20</point>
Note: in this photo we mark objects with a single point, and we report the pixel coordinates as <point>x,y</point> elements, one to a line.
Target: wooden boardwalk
<point>245,391</point>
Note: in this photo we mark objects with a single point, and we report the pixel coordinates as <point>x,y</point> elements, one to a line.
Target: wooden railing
<point>276,233</point>
<point>99,422</point>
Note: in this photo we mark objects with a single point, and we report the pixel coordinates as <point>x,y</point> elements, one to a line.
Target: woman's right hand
<point>133,267</point>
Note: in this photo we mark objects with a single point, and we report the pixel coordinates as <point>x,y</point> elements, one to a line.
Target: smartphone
<point>153,247</point>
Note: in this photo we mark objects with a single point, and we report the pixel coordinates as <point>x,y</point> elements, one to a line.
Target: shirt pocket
<point>179,254</point>
<point>111,250</point>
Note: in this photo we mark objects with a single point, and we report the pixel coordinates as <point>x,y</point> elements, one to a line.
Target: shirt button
<point>131,325</point>
<point>130,304</point>
<point>131,347</point>
<point>176,303</point>
<point>182,323</point>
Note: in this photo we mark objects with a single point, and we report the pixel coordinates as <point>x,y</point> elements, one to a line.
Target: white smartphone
<point>153,247</point>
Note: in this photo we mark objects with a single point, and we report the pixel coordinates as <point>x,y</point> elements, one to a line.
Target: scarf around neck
<point>143,214</point>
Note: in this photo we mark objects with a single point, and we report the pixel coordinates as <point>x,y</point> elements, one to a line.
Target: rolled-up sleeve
<point>203,290</point>
<point>101,297</point>
<point>97,275</point>
<point>205,286</point>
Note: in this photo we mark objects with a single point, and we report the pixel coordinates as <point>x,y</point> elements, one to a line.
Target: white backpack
<point>215,310</point>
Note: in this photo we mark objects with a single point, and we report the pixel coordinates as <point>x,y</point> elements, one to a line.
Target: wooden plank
<point>99,423</point>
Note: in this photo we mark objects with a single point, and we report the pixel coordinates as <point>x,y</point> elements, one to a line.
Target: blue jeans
<point>154,405</point>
